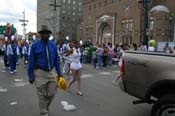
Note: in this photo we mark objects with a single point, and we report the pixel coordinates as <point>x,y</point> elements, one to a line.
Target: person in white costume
<point>75,67</point>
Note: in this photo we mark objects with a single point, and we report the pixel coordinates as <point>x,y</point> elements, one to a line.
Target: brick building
<point>122,21</point>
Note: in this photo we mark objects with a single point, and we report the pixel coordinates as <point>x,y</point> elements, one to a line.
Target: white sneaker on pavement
<point>11,72</point>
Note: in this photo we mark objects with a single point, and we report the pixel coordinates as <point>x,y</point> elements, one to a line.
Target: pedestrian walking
<point>105,56</point>
<point>4,50</point>
<point>67,61</point>
<point>94,57</point>
<point>167,49</point>
<point>99,52</point>
<point>110,53</point>
<point>76,67</point>
<point>42,60</point>
<point>12,52</point>
<point>25,53</point>
<point>143,47</point>
<point>120,63</point>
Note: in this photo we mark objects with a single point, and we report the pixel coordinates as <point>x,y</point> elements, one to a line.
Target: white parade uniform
<point>75,57</point>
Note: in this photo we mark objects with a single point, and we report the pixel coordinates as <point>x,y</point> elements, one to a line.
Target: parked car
<point>150,77</point>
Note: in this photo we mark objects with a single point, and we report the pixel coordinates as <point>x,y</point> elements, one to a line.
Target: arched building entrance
<point>105,33</point>
<point>161,23</point>
<point>105,29</point>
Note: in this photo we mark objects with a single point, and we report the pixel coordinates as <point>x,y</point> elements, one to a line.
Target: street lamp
<point>144,6</point>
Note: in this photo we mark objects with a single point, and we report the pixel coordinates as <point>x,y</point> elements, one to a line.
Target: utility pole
<point>146,26</point>
<point>145,7</point>
<point>55,23</point>
<point>24,21</point>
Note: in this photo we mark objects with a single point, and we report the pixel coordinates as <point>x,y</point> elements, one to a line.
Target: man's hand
<point>60,75</point>
<point>31,81</point>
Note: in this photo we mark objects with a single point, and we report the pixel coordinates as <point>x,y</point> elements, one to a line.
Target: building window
<point>94,6</point>
<point>99,4</point>
<point>130,25</point>
<point>89,31</point>
<point>73,2</point>
<point>89,7</point>
<point>105,1</point>
<point>80,9</point>
<point>123,25</point>
<point>126,25</point>
<point>151,25</point>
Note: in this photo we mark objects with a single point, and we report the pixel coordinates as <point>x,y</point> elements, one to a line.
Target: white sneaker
<point>79,93</point>
<point>11,72</point>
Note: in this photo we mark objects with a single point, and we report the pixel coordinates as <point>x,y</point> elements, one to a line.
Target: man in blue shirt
<point>43,58</point>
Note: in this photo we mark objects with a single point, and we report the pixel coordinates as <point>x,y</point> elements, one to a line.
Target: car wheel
<point>165,106</point>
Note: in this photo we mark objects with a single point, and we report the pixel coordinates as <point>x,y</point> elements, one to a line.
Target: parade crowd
<point>43,54</point>
<point>100,56</point>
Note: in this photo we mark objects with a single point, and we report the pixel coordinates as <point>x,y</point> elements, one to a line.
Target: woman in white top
<point>75,67</point>
<point>67,60</point>
<point>120,63</point>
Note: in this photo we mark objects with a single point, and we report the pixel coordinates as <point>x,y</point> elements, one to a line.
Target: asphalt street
<point>100,96</point>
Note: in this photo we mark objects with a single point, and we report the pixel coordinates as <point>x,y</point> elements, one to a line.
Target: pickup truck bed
<point>149,75</point>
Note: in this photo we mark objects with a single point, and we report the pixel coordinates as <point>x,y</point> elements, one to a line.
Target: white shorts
<point>75,65</point>
<point>120,64</point>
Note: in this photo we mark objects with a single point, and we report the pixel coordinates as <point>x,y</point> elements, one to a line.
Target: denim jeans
<point>85,59</point>
<point>99,60</point>
<point>109,59</point>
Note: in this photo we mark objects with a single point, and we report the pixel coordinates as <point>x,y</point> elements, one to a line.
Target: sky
<point>12,11</point>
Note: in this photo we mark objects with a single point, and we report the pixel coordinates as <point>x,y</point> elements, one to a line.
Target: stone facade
<point>118,21</point>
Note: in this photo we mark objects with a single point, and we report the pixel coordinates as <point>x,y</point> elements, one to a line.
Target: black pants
<point>105,61</point>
